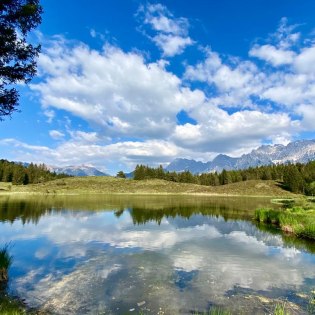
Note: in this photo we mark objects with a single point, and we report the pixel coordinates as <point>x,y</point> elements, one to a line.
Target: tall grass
<point>5,262</point>
<point>5,258</point>
<point>297,220</point>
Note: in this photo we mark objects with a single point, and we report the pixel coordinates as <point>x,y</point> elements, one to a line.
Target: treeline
<point>18,174</point>
<point>298,178</point>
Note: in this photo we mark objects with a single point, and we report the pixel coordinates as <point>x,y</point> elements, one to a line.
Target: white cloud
<point>57,135</point>
<point>273,55</point>
<point>235,83</point>
<point>308,114</point>
<point>50,114</point>
<point>243,84</point>
<point>171,34</point>
<point>85,137</point>
<point>162,20</point>
<point>131,104</point>
<point>218,131</point>
<point>81,150</point>
<point>117,91</point>
<point>280,52</point>
<point>172,45</point>
<point>305,61</point>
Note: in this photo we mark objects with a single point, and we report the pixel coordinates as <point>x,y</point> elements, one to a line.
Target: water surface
<point>118,255</point>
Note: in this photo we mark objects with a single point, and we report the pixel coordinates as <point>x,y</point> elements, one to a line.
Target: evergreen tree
<point>225,177</point>
<point>293,179</point>
<point>17,57</point>
<point>121,174</point>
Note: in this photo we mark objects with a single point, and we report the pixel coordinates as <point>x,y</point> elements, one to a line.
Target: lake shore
<point>111,185</point>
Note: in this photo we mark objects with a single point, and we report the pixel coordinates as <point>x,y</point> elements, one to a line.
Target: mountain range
<point>80,170</point>
<point>300,151</point>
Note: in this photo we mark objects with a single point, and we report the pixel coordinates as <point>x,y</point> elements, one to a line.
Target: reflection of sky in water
<point>81,262</point>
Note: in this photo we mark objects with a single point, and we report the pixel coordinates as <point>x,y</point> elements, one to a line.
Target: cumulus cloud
<point>221,132</point>
<point>172,45</point>
<point>131,102</point>
<point>240,84</point>
<point>162,20</point>
<point>273,55</point>
<point>171,34</point>
<point>81,150</point>
<point>280,52</point>
<point>117,91</point>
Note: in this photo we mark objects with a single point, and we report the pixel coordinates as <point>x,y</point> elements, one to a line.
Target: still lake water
<point>161,255</point>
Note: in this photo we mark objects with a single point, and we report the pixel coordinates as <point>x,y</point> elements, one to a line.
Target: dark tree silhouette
<point>17,57</point>
<point>121,174</point>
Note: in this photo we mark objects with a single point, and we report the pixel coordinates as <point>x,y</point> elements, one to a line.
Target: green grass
<point>5,263</point>
<point>280,309</point>
<point>5,258</point>
<point>297,220</point>
<point>10,306</point>
<point>111,185</point>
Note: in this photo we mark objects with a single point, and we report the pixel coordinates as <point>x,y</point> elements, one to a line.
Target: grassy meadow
<point>111,185</point>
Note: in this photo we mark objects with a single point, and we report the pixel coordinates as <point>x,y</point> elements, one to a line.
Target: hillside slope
<point>110,185</point>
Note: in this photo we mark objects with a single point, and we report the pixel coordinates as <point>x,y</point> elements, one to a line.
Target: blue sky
<point>126,82</point>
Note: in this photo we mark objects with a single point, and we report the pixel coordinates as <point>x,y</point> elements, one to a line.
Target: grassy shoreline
<point>110,185</point>
<point>298,220</point>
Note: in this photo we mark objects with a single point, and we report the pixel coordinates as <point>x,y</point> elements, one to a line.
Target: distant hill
<point>300,151</point>
<point>80,170</point>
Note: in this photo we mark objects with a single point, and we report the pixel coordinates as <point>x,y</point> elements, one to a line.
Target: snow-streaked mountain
<point>181,165</point>
<point>300,151</point>
<point>80,170</point>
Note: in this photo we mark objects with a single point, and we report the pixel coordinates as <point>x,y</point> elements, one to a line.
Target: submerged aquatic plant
<point>215,311</point>
<point>280,309</point>
<point>5,262</point>
<point>311,303</point>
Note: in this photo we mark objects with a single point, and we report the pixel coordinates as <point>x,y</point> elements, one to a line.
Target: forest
<point>297,178</point>
<point>19,174</point>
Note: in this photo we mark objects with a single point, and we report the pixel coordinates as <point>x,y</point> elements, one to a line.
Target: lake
<point>152,255</point>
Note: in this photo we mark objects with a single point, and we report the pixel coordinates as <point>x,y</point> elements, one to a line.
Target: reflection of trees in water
<point>288,239</point>
<point>142,209</point>
<point>30,209</point>
<point>21,210</point>
<point>142,216</point>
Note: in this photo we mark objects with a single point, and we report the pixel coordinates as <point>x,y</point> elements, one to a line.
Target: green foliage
<point>9,306</point>
<point>17,57</point>
<point>23,175</point>
<point>280,309</point>
<point>121,174</point>
<point>297,220</point>
<point>5,257</point>
<point>297,178</point>
<point>5,263</point>
<point>225,178</point>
